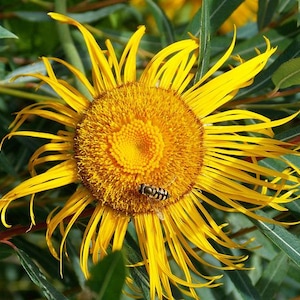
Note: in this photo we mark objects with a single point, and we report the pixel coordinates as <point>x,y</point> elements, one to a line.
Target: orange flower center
<point>139,149</point>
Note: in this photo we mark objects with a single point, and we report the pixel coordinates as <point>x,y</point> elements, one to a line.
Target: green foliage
<point>288,74</point>
<point>286,241</point>
<point>5,34</point>
<point>204,37</point>
<point>108,277</point>
<point>163,24</point>
<point>38,277</point>
<point>273,276</point>
<point>27,270</point>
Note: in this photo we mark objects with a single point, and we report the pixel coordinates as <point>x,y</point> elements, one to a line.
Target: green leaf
<point>294,208</point>
<point>273,276</point>
<point>75,262</point>
<point>204,41</point>
<point>282,38</point>
<point>108,277</point>
<point>163,24</point>
<point>221,10</point>
<point>240,279</point>
<point>5,34</point>
<point>289,134</point>
<point>95,15</point>
<point>298,19</point>
<point>5,165</point>
<point>263,79</point>
<point>288,74</point>
<point>43,257</point>
<point>239,222</point>
<point>294,274</point>
<point>37,67</point>
<point>38,277</point>
<point>243,285</point>
<point>266,10</point>
<point>282,238</point>
<point>32,16</point>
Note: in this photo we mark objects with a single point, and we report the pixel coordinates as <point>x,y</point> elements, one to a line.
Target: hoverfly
<point>154,193</point>
<point>151,191</point>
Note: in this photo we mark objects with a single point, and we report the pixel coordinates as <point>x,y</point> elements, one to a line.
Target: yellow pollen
<point>137,147</point>
<point>134,135</point>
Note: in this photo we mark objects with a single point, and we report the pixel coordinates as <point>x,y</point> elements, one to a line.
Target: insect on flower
<point>154,193</point>
<point>150,191</point>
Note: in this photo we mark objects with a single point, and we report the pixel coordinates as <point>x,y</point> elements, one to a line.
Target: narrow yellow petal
<point>128,58</point>
<point>162,70</point>
<point>103,78</point>
<point>42,135</point>
<point>61,114</point>
<point>88,237</point>
<point>223,88</point>
<point>57,176</point>
<point>77,73</point>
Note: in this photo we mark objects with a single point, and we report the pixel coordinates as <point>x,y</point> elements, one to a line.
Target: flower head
<point>151,150</point>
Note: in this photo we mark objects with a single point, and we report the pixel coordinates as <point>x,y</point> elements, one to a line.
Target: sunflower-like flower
<point>154,150</point>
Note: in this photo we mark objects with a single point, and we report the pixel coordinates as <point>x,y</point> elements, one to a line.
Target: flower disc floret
<point>129,136</point>
<point>137,147</point>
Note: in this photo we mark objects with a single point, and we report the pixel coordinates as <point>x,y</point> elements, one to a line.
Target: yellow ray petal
<point>163,71</point>
<point>224,87</point>
<point>103,78</point>
<point>57,176</point>
<point>128,58</point>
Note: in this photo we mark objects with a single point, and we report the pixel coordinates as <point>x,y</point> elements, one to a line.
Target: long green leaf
<point>240,279</point>
<point>204,41</point>
<point>42,256</point>
<point>266,10</point>
<point>5,251</point>
<point>48,263</point>
<point>282,238</point>
<point>221,10</point>
<point>298,19</point>
<point>273,276</point>
<point>5,165</point>
<point>139,274</point>
<point>243,285</point>
<point>38,277</point>
<point>5,34</point>
<point>289,134</point>
<point>263,79</point>
<point>95,15</point>
<point>294,208</point>
<point>288,74</point>
<point>164,26</point>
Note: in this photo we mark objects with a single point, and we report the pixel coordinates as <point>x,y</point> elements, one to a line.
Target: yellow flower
<point>151,150</point>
